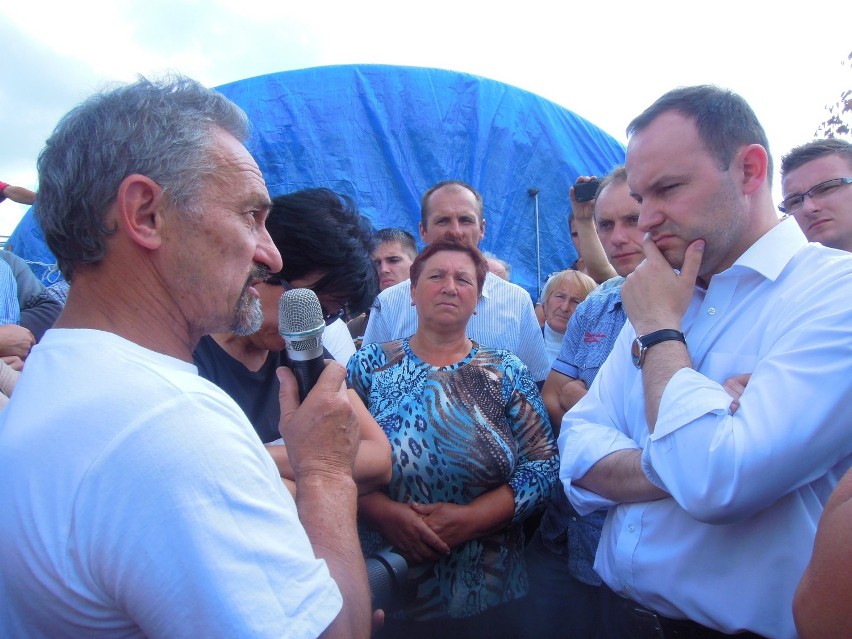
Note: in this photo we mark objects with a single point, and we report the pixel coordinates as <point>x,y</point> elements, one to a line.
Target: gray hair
<point>424,201</point>
<point>162,129</point>
<point>488,255</point>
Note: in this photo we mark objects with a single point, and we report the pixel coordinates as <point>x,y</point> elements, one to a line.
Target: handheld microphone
<point>300,323</point>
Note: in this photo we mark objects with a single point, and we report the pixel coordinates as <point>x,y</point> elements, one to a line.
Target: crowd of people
<point>656,449</point>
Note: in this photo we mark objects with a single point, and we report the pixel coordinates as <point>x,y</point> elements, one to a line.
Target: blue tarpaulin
<point>384,134</point>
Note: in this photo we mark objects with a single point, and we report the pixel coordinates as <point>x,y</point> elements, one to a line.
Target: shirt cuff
<point>688,396</point>
<point>565,368</point>
<point>581,446</point>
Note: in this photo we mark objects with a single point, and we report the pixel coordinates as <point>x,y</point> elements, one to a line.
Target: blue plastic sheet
<point>384,134</point>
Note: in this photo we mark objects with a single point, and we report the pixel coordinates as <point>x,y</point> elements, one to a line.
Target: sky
<point>605,61</point>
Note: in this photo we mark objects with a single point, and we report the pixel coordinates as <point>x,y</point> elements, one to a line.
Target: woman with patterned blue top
<point>473,457</point>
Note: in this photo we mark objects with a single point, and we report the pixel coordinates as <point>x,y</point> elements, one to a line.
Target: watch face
<point>636,353</point>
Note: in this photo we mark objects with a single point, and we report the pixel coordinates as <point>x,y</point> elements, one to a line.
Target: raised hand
<point>654,295</point>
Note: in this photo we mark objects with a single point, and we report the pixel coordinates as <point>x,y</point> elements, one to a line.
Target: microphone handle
<point>307,373</point>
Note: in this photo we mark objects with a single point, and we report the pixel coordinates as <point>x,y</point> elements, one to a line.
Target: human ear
<point>139,208</point>
<point>754,163</point>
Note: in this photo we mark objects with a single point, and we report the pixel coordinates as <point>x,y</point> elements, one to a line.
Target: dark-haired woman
<point>473,456</point>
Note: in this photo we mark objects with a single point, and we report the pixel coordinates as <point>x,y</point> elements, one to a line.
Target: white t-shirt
<point>552,342</point>
<point>338,341</point>
<point>137,500</point>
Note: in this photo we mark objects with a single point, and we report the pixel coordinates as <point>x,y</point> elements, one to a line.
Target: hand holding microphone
<point>321,431</point>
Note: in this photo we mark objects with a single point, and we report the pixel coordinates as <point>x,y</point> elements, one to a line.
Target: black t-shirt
<point>256,392</point>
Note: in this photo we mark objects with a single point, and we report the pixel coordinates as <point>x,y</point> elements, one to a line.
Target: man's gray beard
<point>248,317</point>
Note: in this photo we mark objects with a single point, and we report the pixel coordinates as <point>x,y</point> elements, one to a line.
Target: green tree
<point>837,124</point>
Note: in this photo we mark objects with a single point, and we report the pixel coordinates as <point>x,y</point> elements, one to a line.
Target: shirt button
<point>573,518</point>
<point>711,311</point>
<point>631,528</point>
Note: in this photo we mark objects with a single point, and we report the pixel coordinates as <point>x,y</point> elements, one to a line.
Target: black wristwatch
<point>642,343</point>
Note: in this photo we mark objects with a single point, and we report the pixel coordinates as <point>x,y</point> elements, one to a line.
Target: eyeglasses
<point>328,318</point>
<point>795,202</point>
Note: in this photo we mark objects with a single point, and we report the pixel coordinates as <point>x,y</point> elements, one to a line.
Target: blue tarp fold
<point>384,134</point>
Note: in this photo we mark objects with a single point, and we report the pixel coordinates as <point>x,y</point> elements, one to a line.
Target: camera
<point>387,573</point>
<point>586,191</point>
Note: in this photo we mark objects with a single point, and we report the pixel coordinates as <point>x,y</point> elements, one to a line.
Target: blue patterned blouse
<point>457,432</point>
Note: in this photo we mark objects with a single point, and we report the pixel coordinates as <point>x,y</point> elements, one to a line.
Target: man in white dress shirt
<point>504,317</point>
<point>713,503</point>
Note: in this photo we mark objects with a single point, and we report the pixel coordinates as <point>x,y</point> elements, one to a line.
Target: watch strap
<point>643,342</point>
<point>664,335</point>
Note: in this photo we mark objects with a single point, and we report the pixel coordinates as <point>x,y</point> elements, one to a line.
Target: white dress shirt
<point>729,547</point>
<point>505,318</point>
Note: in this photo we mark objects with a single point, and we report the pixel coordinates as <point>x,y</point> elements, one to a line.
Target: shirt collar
<point>771,253</point>
<point>488,287</point>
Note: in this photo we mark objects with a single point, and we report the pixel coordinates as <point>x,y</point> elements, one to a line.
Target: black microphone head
<point>300,322</point>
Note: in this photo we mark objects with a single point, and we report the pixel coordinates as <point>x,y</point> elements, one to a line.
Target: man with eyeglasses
<point>815,182</point>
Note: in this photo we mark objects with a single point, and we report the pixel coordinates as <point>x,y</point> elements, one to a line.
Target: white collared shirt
<point>728,549</point>
<point>504,318</point>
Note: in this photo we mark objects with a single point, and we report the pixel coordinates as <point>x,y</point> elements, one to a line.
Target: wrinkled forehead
<point>662,146</point>
<point>229,155</point>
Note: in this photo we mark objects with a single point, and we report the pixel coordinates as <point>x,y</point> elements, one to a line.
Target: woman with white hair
<point>562,295</point>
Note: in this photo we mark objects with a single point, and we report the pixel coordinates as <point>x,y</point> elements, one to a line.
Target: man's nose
<point>267,254</point>
<point>809,206</point>
<point>649,217</point>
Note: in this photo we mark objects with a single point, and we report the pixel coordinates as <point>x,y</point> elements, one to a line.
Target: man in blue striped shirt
<point>504,316</point>
<point>10,311</point>
<point>15,340</point>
